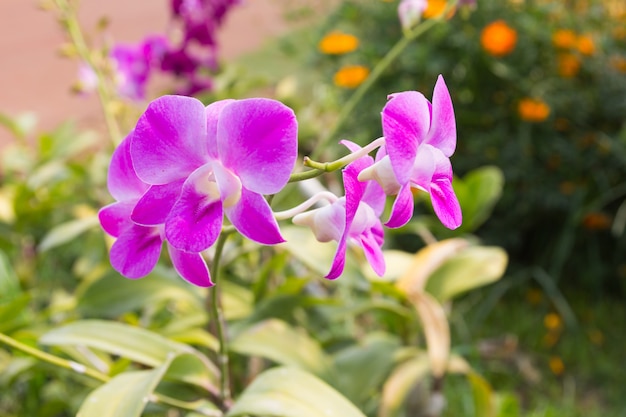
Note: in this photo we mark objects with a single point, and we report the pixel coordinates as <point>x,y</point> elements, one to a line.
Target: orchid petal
<point>122,180</point>
<point>406,121</point>
<point>213,111</point>
<point>352,147</point>
<point>253,218</point>
<point>115,218</point>
<point>426,162</point>
<point>170,140</point>
<point>327,223</point>
<point>339,261</point>
<point>372,248</point>
<point>195,221</point>
<point>257,140</point>
<point>402,209</point>
<point>136,251</point>
<point>375,197</point>
<point>445,203</point>
<point>229,184</point>
<point>442,133</point>
<point>154,206</point>
<point>354,192</point>
<point>191,267</point>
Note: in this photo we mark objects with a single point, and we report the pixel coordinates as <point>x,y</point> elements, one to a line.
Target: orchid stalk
<point>105,92</point>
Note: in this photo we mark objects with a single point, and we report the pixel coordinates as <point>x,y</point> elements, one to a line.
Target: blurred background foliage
<point>540,96</point>
<point>540,91</point>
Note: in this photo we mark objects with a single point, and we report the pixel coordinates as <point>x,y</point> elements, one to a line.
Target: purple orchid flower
<point>353,218</point>
<point>225,157</point>
<point>138,247</point>
<point>420,137</point>
<point>134,63</point>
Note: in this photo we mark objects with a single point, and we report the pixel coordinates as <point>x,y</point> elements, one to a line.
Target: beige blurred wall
<point>33,77</point>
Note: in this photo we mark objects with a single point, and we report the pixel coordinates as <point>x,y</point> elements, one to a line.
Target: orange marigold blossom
<point>556,365</point>
<point>552,321</point>
<point>337,43</point>
<point>435,8</point>
<point>585,45</point>
<point>351,76</point>
<point>597,221</point>
<point>498,38</point>
<point>569,65</point>
<point>533,110</point>
<point>564,39</point>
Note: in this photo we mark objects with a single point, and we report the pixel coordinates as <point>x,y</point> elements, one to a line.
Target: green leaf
<point>193,369</point>
<point>473,267</point>
<point>478,192</point>
<point>275,340</point>
<point>400,383</point>
<point>361,369</point>
<point>9,282</point>
<point>237,301</point>
<point>482,394</point>
<point>66,232</point>
<point>125,395</point>
<point>301,243</point>
<point>14,313</point>
<point>21,125</point>
<point>134,343</point>
<point>291,392</point>
<point>113,295</point>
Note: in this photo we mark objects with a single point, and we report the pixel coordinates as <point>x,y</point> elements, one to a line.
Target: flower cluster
<point>192,59</point>
<point>419,137</point>
<point>185,166</point>
<point>340,43</point>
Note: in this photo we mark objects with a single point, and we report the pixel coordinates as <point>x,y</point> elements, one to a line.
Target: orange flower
<point>585,45</point>
<point>556,365</point>
<point>498,38</point>
<point>533,110</point>
<point>337,43</point>
<point>569,65</point>
<point>435,8</point>
<point>597,221</point>
<point>564,38</point>
<point>552,321</point>
<point>351,76</point>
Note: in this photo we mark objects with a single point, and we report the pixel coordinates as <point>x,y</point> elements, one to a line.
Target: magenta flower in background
<point>138,246</point>
<point>226,156</point>
<point>420,137</point>
<point>354,218</point>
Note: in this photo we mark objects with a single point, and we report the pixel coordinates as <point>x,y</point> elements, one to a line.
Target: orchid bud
<point>410,12</point>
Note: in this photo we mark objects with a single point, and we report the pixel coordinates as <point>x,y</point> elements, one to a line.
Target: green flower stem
<point>92,373</point>
<point>70,20</point>
<point>378,70</point>
<point>218,322</point>
<point>320,167</point>
<point>54,360</point>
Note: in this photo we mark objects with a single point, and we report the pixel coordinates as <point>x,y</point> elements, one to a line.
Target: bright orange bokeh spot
<point>351,76</point>
<point>498,38</point>
<point>337,43</point>
<point>435,8</point>
<point>533,110</point>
